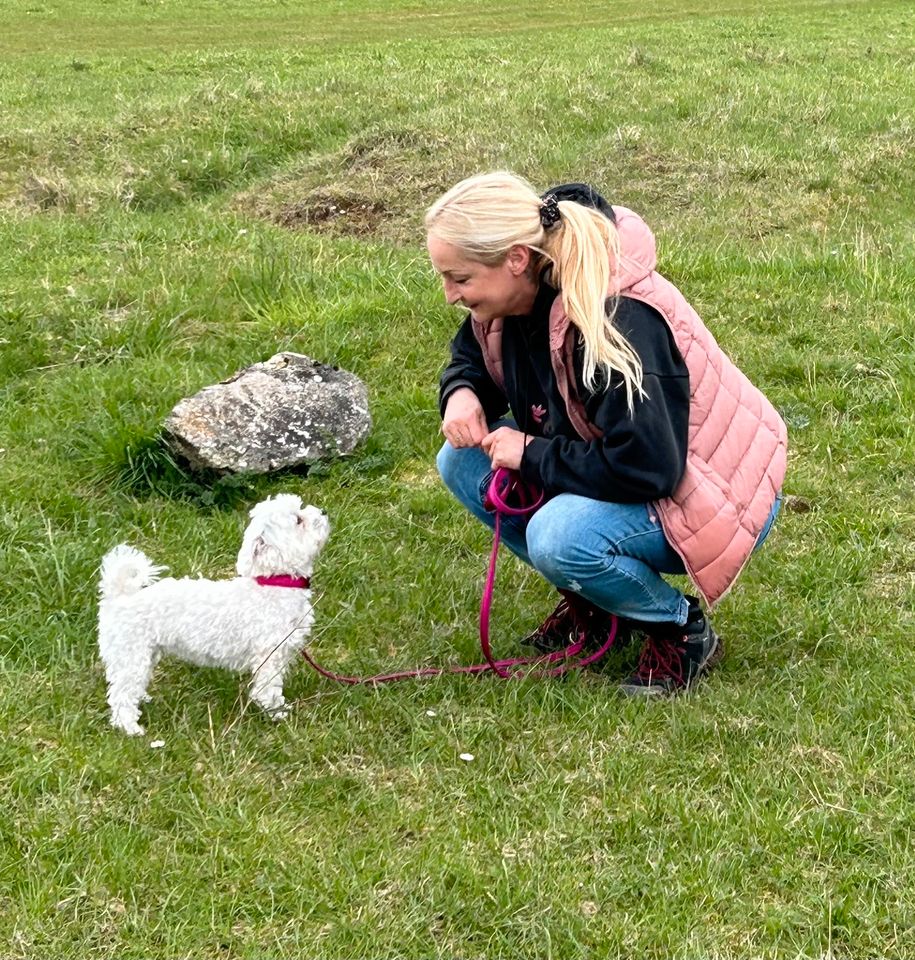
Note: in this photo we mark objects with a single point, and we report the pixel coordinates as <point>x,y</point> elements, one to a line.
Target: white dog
<point>256,622</point>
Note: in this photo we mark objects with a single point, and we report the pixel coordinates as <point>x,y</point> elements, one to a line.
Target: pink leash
<point>509,496</point>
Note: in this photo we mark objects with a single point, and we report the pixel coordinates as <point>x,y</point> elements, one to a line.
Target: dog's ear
<point>251,549</point>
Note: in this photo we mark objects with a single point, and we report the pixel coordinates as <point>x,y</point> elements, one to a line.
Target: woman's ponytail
<point>584,248</point>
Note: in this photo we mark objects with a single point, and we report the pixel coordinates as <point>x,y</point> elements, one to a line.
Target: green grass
<point>167,177</point>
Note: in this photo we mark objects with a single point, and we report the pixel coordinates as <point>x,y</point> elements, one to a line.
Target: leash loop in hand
<point>510,495</point>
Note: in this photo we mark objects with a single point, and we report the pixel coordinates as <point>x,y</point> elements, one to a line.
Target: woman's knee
<point>446,461</point>
<point>463,472</point>
<point>557,547</point>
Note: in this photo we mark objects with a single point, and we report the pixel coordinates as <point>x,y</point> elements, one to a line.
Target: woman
<point>656,454</point>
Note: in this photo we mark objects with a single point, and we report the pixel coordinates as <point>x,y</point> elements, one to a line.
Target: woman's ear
<point>518,259</point>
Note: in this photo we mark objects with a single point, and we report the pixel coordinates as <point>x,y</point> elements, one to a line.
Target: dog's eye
<point>300,520</point>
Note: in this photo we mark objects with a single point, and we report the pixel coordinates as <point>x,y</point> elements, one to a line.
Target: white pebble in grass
<point>431,713</point>
<point>467,757</point>
<point>156,744</point>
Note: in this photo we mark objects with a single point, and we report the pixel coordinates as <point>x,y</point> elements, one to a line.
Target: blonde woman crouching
<point>656,454</point>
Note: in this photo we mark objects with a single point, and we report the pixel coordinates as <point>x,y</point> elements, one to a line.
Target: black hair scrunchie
<point>549,212</point>
<point>582,193</point>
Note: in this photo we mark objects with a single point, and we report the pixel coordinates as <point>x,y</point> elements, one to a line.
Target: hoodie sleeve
<point>641,455</point>
<point>467,369</point>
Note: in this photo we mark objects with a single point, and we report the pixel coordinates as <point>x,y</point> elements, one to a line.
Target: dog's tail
<point>126,570</point>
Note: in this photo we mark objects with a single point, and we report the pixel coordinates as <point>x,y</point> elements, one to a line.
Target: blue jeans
<point>612,554</point>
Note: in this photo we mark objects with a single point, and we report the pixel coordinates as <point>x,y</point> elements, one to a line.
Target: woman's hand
<point>505,447</point>
<point>464,423</point>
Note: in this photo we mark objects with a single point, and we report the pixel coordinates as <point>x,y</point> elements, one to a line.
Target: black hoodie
<point>641,455</point>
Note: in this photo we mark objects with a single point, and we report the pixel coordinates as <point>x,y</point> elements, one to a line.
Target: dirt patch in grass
<point>352,214</point>
<point>47,193</point>
<point>377,184</point>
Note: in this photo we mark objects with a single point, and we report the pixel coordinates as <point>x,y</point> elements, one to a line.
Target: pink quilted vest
<point>737,447</point>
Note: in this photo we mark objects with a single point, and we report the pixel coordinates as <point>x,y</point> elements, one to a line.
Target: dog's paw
<point>131,729</point>
<point>126,720</point>
<point>277,715</point>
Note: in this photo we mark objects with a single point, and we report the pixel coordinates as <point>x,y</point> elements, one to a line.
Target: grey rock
<point>284,412</point>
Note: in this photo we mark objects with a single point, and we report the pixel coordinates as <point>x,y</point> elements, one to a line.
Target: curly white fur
<point>238,624</point>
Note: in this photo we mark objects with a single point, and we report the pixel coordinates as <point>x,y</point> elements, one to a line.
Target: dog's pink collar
<point>284,580</point>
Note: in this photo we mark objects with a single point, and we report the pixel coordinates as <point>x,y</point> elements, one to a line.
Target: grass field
<point>186,188</point>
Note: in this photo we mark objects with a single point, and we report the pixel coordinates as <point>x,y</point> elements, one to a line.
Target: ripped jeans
<point>612,554</point>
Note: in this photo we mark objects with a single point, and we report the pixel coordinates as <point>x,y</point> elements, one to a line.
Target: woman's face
<point>488,292</point>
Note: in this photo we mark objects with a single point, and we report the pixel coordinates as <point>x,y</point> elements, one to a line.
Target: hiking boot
<point>674,657</point>
<point>562,626</point>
